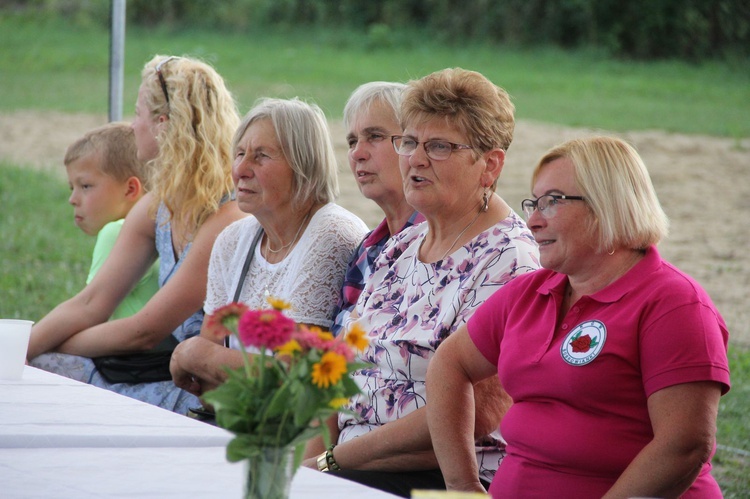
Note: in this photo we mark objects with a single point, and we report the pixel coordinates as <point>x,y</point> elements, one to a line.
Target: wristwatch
<point>326,461</point>
<point>322,462</point>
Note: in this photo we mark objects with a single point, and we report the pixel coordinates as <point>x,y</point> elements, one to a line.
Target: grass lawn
<point>65,67</point>
<point>53,66</point>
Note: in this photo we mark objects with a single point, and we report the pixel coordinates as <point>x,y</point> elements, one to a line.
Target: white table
<point>148,473</point>
<point>47,410</point>
<point>64,439</point>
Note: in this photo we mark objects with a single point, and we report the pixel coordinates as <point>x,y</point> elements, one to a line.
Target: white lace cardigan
<point>310,277</point>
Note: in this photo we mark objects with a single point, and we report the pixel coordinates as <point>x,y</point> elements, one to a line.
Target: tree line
<point>638,29</point>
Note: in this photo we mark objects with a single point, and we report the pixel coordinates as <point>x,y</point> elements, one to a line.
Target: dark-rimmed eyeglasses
<point>547,204</point>
<point>435,149</point>
<point>162,81</point>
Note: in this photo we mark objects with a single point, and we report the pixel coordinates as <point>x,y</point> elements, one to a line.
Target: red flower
<point>582,344</point>
<point>265,328</point>
<point>224,320</point>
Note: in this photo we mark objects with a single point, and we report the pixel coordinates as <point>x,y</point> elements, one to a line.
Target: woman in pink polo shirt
<point>615,359</point>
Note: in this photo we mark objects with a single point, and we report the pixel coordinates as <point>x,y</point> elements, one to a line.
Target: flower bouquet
<point>282,395</point>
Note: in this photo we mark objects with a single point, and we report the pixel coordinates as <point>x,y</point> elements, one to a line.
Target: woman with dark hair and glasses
<point>615,359</point>
<point>429,279</point>
<point>184,125</point>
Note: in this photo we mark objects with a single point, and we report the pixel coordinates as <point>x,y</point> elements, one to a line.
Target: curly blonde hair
<point>193,171</point>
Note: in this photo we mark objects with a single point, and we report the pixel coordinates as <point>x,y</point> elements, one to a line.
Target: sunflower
<point>338,402</point>
<point>329,370</point>
<point>356,337</point>
<point>289,348</point>
<point>278,303</point>
<point>321,333</point>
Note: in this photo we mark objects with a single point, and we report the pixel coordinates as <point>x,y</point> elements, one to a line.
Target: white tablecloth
<point>46,410</point>
<point>64,439</point>
<point>148,473</point>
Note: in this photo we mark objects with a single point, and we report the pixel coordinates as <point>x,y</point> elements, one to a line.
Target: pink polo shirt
<point>580,389</point>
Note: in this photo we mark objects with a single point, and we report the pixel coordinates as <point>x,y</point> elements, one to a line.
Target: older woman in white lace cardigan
<point>285,176</point>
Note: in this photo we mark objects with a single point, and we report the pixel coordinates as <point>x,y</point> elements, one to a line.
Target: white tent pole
<point>116,60</point>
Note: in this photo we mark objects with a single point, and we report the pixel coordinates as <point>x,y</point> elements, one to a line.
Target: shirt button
<point>576,309</point>
<point>565,326</point>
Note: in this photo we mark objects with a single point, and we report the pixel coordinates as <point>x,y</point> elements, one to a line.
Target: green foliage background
<point>641,29</point>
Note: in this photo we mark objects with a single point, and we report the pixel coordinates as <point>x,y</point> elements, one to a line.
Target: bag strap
<point>245,268</point>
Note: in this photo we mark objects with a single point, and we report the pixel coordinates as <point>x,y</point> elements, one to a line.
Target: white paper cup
<point>14,342</point>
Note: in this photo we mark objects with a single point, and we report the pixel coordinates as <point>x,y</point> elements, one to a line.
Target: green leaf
<point>350,387</point>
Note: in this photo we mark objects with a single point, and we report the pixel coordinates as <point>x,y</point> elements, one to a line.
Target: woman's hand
<point>311,463</point>
<point>180,367</point>
<point>198,363</point>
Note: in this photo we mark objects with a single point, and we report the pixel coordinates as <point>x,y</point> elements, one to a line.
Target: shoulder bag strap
<point>243,274</point>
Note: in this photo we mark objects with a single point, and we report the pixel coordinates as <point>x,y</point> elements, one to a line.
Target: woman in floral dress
<point>428,281</point>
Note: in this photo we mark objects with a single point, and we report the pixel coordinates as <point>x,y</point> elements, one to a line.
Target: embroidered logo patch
<point>583,343</point>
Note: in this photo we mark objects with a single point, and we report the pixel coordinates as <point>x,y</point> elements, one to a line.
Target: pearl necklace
<point>268,239</point>
<point>272,277</point>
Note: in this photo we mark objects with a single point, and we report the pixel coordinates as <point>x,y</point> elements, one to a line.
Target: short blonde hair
<point>467,99</point>
<point>192,173</point>
<point>115,142</point>
<point>302,131</point>
<point>615,182</point>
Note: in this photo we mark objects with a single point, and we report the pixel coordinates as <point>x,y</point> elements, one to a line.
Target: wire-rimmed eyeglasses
<point>547,204</point>
<point>162,81</point>
<point>435,149</point>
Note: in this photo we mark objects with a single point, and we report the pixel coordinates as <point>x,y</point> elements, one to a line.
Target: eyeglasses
<point>547,204</point>
<point>370,137</point>
<point>161,77</point>
<point>435,149</point>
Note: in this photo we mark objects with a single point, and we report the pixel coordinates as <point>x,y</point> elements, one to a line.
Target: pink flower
<point>314,338</point>
<point>265,328</point>
<point>344,349</point>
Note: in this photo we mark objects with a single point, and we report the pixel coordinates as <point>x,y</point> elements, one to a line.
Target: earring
<point>610,253</point>
<point>485,200</point>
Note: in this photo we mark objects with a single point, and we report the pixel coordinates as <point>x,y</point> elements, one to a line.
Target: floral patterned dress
<point>408,308</point>
<point>162,393</point>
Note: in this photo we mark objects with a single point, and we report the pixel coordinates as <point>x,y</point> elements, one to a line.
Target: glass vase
<point>270,473</point>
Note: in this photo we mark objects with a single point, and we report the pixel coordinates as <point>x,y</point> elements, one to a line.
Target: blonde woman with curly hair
<point>184,125</point>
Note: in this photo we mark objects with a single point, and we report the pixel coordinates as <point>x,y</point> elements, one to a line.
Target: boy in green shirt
<point>106,179</point>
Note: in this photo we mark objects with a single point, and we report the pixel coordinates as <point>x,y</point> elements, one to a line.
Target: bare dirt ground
<point>702,182</point>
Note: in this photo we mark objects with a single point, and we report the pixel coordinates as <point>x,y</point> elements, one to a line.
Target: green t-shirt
<point>144,289</point>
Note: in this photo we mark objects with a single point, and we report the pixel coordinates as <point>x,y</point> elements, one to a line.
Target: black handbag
<point>141,367</point>
<point>153,365</point>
